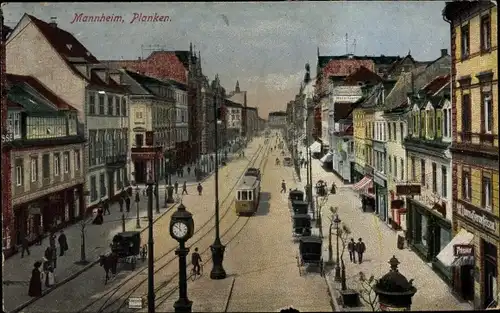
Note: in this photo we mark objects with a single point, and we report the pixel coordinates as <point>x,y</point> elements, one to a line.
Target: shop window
<point>487,192</point>
<point>421,229</point>
<point>444,238</point>
<point>466,185</point>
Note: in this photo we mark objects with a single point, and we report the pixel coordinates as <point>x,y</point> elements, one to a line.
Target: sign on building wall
<point>408,190</point>
<point>463,250</point>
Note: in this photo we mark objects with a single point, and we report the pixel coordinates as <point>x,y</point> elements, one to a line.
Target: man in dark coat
<point>127,203</point>
<point>25,246</point>
<point>360,248</point>
<point>35,288</point>
<point>120,202</point>
<point>184,188</point>
<point>106,207</point>
<point>351,247</point>
<point>189,170</point>
<point>52,239</point>
<point>176,187</point>
<point>63,243</point>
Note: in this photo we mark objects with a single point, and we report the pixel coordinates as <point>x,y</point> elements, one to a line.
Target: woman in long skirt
<point>35,289</point>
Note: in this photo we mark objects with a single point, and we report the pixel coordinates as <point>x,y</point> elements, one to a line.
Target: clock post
<point>181,229</point>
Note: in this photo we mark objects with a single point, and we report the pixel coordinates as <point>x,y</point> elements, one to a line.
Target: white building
<point>181,123</point>
<point>234,120</point>
<point>277,119</point>
<point>63,64</point>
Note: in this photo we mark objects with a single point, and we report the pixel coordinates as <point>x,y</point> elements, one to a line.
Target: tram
<point>253,172</point>
<point>247,196</point>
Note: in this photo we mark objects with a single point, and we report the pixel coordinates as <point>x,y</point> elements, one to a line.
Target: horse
<point>109,263</point>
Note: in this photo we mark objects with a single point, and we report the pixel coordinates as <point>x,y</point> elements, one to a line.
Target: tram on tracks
<point>247,196</point>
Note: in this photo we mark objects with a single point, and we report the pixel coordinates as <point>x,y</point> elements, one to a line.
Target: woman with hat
<point>35,289</point>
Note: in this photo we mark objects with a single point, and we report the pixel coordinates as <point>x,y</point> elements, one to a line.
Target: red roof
<point>14,105</point>
<point>362,75</point>
<point>343,68</point>
<point>68,46</point>
<point>436,84</point>
<point>40,88</point>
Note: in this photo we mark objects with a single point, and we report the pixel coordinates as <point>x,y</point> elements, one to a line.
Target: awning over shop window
<point>364,185</point>
<point>447,257</point>
<point>315,147</point>
<point>327,158</point>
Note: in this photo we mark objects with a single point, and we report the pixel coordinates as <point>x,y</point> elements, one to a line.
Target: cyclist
<point>195,260</point>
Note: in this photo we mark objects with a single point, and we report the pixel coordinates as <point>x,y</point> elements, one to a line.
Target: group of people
<point>358,248</point>
<point>45,275</point>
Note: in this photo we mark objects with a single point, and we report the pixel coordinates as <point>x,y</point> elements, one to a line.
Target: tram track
<point>125,292</point>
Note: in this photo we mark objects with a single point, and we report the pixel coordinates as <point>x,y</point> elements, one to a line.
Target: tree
<point>83,227</point>
<point>322,201</point>
<point>330,231</point>
<point>343,232</point>
<point>367,292</point>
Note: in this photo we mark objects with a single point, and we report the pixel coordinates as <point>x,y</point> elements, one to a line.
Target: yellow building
<point>475,150</point>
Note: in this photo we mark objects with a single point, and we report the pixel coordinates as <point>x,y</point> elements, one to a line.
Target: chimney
<point>53,21</point>
<point>444,52</point>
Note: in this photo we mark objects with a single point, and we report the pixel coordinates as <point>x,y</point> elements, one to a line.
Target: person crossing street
<point>184,188</point>
<point>283,187</point>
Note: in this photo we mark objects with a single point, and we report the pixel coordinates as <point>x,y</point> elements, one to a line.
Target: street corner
<point>207,295</point>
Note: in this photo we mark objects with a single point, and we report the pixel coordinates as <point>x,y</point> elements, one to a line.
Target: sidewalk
<point>432,292</point>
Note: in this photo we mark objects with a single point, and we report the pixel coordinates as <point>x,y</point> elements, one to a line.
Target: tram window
<point>250,195</point>
<point>244,196</point>
<point>239,195</point>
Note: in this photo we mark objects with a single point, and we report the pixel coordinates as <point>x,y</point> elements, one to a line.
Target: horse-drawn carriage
<point>301,225</point>
<point>127,247</point>
<point>310,253</point>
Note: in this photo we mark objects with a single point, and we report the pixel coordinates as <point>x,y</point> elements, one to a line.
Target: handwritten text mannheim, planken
<point>136,18</point>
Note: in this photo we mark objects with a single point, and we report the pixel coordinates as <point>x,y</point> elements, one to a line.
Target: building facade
<point>277,119</point>
<point>474,149</point>
<point>46,160</point>
<point>152,138</point>
<point>252,121</point>
<point>240,96</point>
<point>180,156</point>
<point>234,122</point>
<point>75,75</point>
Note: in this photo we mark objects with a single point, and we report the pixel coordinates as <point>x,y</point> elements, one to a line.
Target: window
<point>66,162</point>
<point>124,106</point>
<point>102,185</point>
<point>14,124</point>
<point>434,178</point>
<point>93,189</point>
<point>117,106</point>
<point>464,42</point>
<point>430,123</point>
<point>57,164</point>
<point>422,172</point>
<point>487,116</point>
<point>485,33</point>
<point>19,172</point>
<point>487,193</point>
<point>466,113</point>
<point>415,124</point>
<point>402,169</point>
<point>101,104</point>
<point>402,131</point>
<point>77,160</point>
<point>413,168</point>
<point>46,166</point>
<point>389,131</point>
<point>389,164</point>
<point>394,130</point>
<point>110,105</point>
<point>34,169</point>
<point>139,140</point>
<point>445,123</point>
<point>91,103</point>
<point>395,167</point>
<point>444,182</point>
<point>138,114</point>
<point>422,124</point>
<point>466,185</point>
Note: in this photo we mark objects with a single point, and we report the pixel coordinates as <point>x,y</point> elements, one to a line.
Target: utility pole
<point>151,283</point>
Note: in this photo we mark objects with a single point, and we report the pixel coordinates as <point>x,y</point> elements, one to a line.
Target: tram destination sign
<point>463,250</point>
<point>408,190</point>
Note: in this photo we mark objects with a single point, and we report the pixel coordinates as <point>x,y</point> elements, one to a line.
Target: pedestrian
<point>200,189</point>
<point>35,288</point>
<point>54,258</point>
<point>48,254</point>
<point>127,203</point>
<point>360,248</point>
<point>106,208</point>
<point>51,278</point>
<point>181,171</point>
<point>333,190</point>
<point>189,170</point>
<point>52,239</point>
<point>176,187</point>
<point>63,243</point>
<point>120,202</point>
<point>283,187</point>
<point>39,237</point>
<point>25,246</point>
<point>184,188</point>
<point>351,247</point>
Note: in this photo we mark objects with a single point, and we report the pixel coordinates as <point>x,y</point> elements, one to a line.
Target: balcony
<point>482,144</point>
<point>116,161</point>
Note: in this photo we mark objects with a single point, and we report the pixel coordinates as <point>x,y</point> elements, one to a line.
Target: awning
<point>327,158</point>
<point>446,256</point>
<point>364,185</point>
<point>315,147</point>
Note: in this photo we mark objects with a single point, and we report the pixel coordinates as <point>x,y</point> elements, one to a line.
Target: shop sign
<point>379,181</point>
<point>408,190</point>
<point>463,250</point>
<point>477,217</point>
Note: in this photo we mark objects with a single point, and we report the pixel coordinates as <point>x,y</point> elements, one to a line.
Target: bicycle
<point>194,275</point>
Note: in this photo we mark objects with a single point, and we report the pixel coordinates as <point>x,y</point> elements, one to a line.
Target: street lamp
<point>169,190</point>
<point>217,248</point>
<point>137,200</point>
<point>337,267</point>
<point>151,284</point>
<point>181,229</point>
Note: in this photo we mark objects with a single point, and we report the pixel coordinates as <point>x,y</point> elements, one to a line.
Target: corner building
<point>475,150</point>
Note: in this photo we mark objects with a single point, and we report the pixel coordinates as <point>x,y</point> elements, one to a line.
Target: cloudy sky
<point>263,45</point>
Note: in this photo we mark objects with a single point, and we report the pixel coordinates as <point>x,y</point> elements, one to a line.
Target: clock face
<point>180,230</point>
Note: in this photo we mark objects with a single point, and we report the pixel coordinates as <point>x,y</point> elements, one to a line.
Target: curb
<point>79,272</point>
<point>333,294</point>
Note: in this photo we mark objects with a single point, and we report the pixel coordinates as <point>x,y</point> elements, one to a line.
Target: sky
<point>263,45</point>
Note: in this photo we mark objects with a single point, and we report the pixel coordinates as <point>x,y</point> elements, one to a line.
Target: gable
<point>429,106</point>
<point>415,108</point>
<point>446,104</point>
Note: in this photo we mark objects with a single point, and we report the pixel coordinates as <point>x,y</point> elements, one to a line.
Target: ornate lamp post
<point>181,229</point>
<point>169,189</point>
<point>394,291</point>
<point>217,247</point>
<point>337,221</point>
<point>137,200</point>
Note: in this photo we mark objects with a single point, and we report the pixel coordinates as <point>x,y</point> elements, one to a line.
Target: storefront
<point>483,227</point>
<point>430,234</point>
<point>381,208</point>
<point>358,172</point>
<point>364,187</point>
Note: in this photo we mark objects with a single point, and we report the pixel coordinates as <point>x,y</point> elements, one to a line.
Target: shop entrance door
<point>490,274</point>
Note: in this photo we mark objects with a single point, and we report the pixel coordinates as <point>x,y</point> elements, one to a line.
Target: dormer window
<point>422,123</point>
<point>69,46</point>
<point>430,122</point>
<point>87,53</point>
